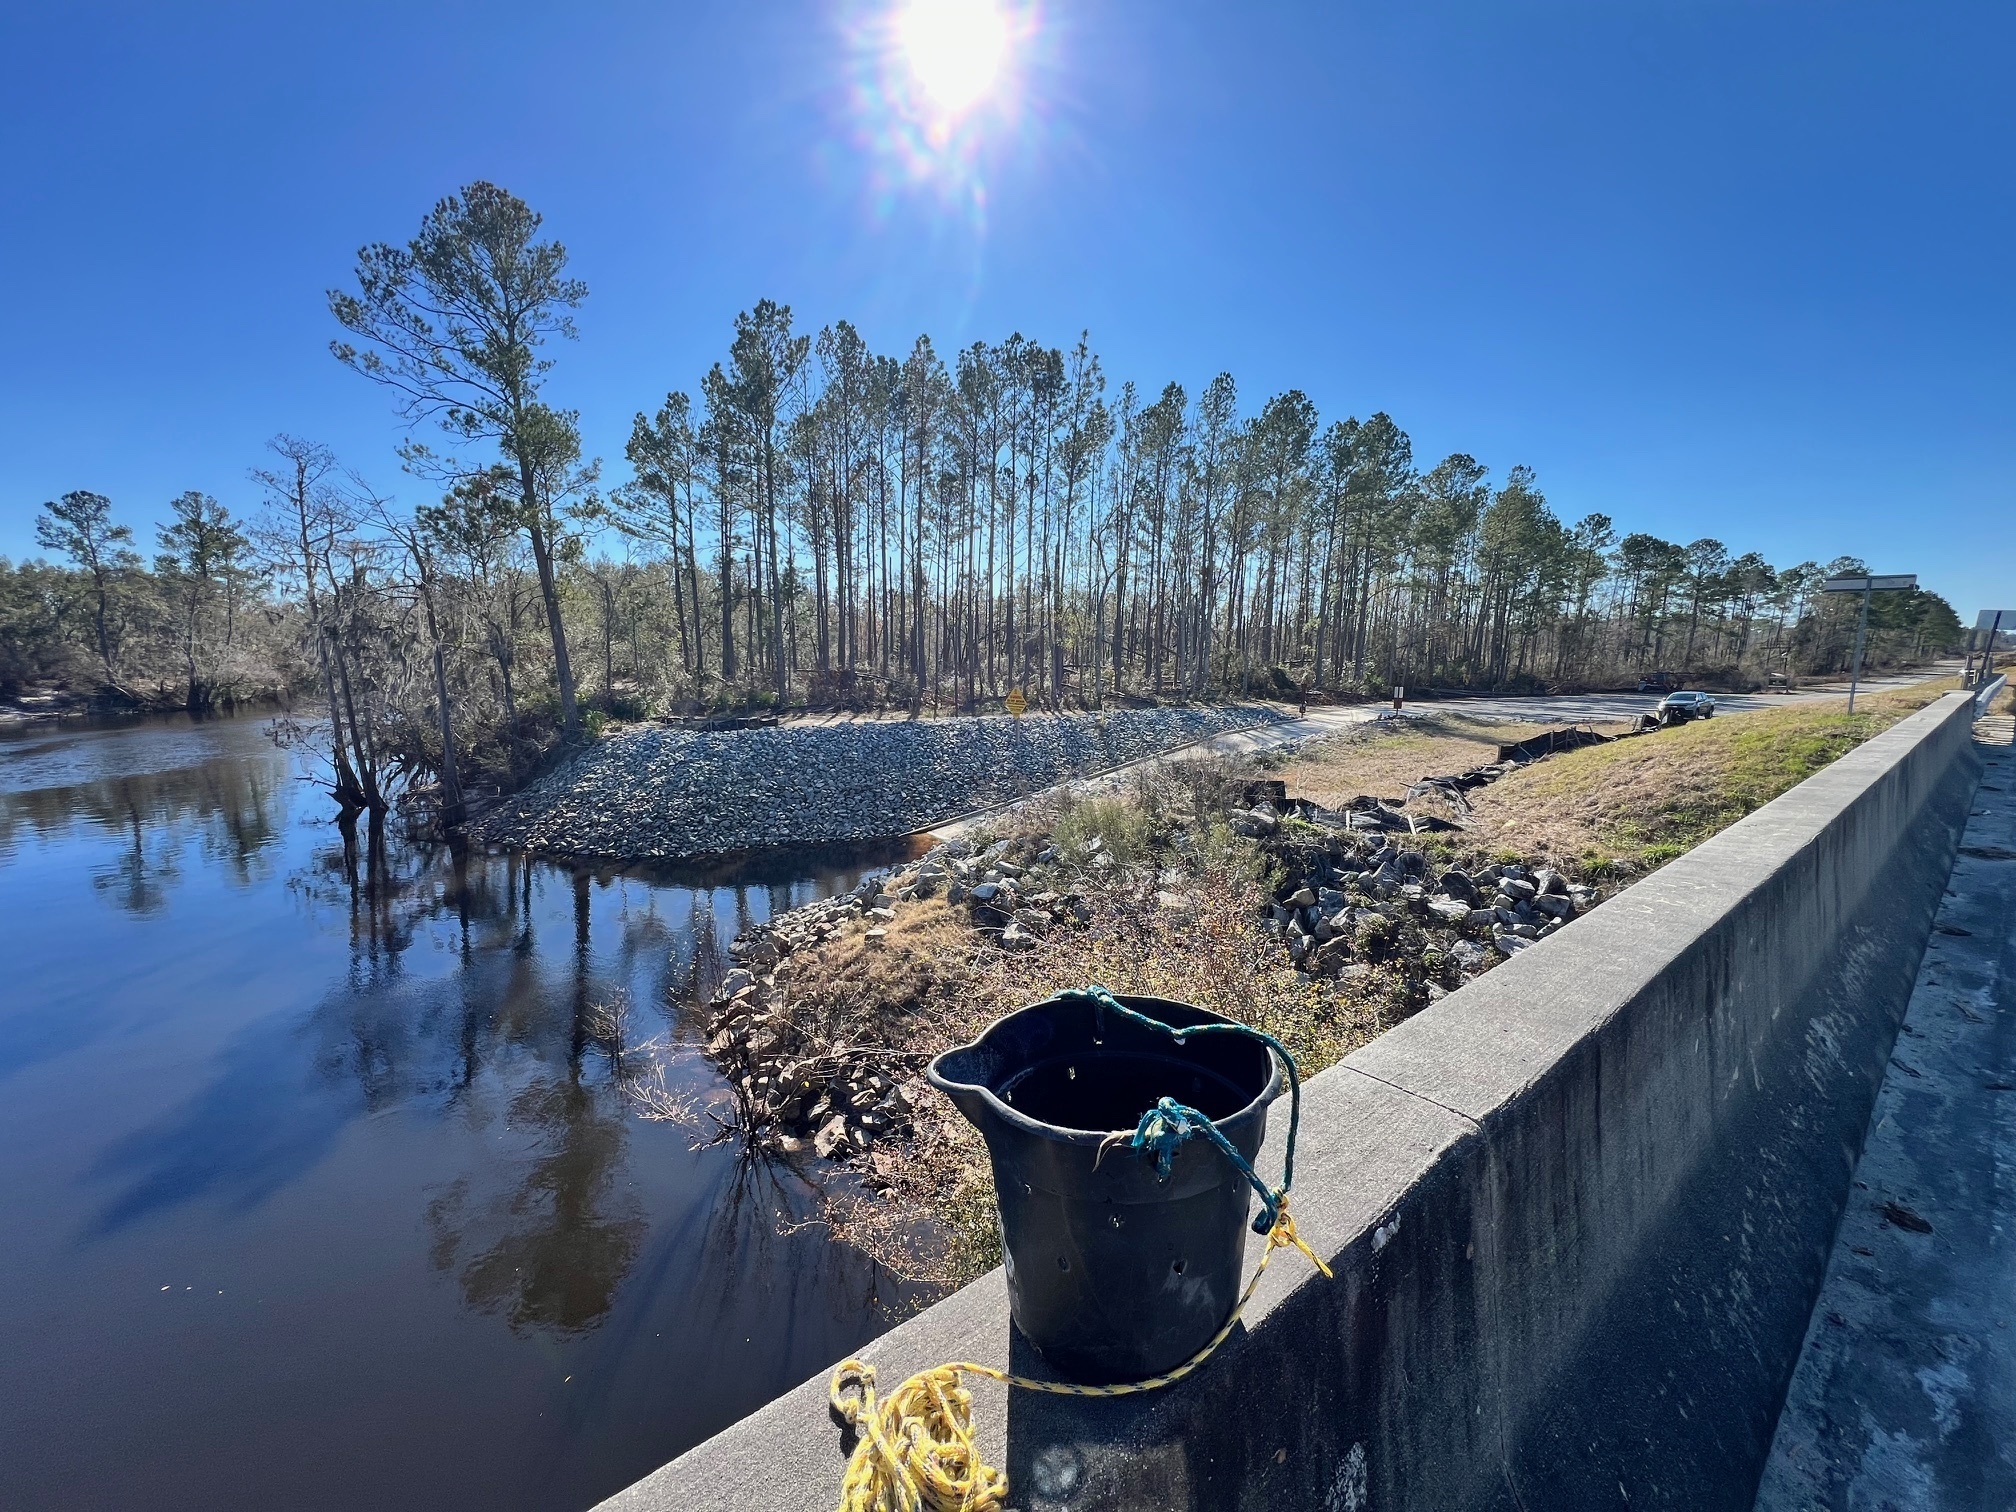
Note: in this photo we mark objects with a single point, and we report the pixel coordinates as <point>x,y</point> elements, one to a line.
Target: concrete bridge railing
<point>1579,1211</point>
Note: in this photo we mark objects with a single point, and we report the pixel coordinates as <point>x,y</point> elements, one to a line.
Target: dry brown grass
<point>1384,759</point>
<point>936,983</point>
<point>882,989</point>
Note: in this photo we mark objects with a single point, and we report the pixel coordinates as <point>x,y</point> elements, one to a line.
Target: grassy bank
<point>1386,757</point>
<point>1632,806</point>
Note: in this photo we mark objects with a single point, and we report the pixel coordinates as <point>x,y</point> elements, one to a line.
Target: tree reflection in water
<point>230,806</point>
<point>542,1044</point>
<point>296,1020</point>
<point>137,881</point>
<point>550,1253</point>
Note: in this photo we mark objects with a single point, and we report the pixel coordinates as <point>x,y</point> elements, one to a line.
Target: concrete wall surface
<point>1579,1210</point>
<point>1905,1394</point>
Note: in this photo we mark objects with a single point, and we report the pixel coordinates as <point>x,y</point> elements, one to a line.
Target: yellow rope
<point>916,1451</point>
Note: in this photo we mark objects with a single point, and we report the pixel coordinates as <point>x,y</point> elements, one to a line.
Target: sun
<point>955,49</point>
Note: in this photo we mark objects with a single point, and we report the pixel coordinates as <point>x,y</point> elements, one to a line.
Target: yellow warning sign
<point>1015,703</point>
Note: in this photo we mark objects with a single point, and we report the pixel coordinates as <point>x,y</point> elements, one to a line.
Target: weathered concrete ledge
<point>1579,1210</point>
<point>1905,1394</point>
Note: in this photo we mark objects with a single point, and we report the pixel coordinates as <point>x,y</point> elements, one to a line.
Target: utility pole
<point>1867,587</point>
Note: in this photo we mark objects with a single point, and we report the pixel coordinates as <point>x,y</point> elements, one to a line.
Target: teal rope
<point>1166,1125</point>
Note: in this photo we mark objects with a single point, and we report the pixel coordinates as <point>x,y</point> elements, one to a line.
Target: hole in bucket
<point>1178,1266</point>
<point>1117,1087</point>
<point>1063,1262</point>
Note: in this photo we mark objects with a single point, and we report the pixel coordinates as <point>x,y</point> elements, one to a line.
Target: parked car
<point>1677,707</point>
<point>1658,682</point>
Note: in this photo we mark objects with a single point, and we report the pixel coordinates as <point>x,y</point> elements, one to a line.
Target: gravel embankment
<point>669,795</point>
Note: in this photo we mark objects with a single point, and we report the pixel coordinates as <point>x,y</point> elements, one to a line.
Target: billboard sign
<point>1894,583</point>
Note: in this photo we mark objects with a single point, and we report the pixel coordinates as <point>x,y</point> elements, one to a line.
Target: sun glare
<point>955,49</point>
<point>945,92</point>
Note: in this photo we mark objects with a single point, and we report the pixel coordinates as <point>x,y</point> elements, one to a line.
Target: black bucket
<point>1115,1273</point>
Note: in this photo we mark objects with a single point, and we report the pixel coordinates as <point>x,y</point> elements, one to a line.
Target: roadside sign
<point>1987,630</point>
<point>1894,583</point>
<point>1015,703</point>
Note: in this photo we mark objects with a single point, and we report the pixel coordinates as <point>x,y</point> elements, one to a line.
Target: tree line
<point>192,630</point>
<point>815,522</point>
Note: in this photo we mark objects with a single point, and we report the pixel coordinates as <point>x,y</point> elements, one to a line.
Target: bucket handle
<point>1166,1125</point>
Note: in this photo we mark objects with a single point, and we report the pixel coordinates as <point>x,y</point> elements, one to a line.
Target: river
<point>318,1188</point>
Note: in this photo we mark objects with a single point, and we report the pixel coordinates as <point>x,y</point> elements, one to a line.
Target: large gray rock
<point>1458,885</point>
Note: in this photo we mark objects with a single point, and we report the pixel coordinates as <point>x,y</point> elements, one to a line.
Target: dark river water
<point>318,1188</point>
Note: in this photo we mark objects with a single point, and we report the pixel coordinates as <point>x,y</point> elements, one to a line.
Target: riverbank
<point>47,705</point>
<point>1318,914</point>
<point>677,795</point>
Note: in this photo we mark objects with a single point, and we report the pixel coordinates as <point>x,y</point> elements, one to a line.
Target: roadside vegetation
<point>1627,808</point>
<point>1177,909</point>
<point>1170,885</point>
<point>1389,756</point>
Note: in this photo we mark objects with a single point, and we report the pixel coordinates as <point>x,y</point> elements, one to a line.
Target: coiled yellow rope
<point>916,1451</point>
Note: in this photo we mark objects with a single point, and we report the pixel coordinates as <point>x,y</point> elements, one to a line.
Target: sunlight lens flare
<point>942,93</point>
<point>955,49</point>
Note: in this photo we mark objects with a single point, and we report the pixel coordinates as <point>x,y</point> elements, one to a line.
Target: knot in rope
<point>1282,1235</point>
<point>1162,1130</point>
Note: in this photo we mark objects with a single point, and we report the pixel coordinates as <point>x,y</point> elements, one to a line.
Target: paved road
<point>1567,708</point>
<point>1607,708</point>
<point>1905,1393</point>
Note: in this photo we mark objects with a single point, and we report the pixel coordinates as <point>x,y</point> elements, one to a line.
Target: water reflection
<point>245,1019</point>
<point>251,1130</point>
<point>154,785</point>
<point>549,1251</point>
<point>136,881</point>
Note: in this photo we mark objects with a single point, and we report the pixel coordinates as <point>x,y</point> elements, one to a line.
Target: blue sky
<point>1731,269</point>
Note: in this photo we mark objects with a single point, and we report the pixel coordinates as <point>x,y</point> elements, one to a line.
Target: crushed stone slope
<point>680,794</point>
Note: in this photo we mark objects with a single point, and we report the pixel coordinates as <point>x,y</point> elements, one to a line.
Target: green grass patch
<point>1636,804</point>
